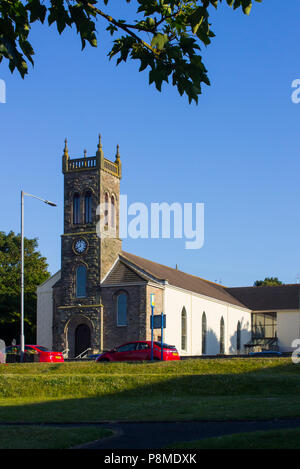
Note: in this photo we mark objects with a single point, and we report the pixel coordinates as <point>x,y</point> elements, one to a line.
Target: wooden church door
<point>82,339</point>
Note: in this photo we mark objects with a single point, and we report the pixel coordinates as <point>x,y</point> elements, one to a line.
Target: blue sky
<point>237,151</point>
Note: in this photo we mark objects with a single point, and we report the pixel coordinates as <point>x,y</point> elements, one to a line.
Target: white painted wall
<point>288,329</point>
<point>288,322</point>
<point>235,315</point>
<point>195,305</point>
<point>45,311</point>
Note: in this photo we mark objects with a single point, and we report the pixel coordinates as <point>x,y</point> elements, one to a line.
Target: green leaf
<point>37,10</point>
<point>159,41</point>
<point>166,41</point>
<point>247,5</point>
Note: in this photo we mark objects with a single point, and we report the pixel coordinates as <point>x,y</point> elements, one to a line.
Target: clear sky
<point>237,151</point>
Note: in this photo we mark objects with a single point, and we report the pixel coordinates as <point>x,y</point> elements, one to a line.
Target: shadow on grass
<point>261,393</point>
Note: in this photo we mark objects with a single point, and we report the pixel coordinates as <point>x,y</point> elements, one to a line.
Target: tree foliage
<point>268,282</point>
<point>35,273</point>
<point>165,36</point>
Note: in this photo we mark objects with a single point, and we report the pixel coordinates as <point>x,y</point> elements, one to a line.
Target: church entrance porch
<point>79,333</point>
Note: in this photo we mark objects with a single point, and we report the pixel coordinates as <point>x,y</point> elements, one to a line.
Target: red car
<point>139,351</point>
<point>44,354</point>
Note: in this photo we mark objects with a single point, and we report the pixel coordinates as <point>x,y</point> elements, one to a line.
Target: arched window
<point>76,209</point>
<point>113,213</point>
<point>122,309</point>
<point>222,336</point>
<point>238,337</point>
<point>204,332</point>
<point>88,207</point>
<point>106,211</point>
<point>183,329</point>
<point>81,275</point>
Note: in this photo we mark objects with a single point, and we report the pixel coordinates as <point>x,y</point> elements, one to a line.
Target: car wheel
<point>104,360</point>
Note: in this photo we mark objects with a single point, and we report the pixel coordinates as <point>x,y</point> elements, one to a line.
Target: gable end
<point>122,274</point>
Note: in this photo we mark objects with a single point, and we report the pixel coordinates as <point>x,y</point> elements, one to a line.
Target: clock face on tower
<point>80,246</point>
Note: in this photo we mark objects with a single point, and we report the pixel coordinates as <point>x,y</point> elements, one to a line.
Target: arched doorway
<point>82,339</point>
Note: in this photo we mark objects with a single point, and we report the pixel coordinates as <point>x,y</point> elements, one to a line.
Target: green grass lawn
<point>273,439</point>
<point>39,437</point>
<point>256,388</point>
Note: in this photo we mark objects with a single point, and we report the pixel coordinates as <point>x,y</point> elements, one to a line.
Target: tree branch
<point>125,28</point>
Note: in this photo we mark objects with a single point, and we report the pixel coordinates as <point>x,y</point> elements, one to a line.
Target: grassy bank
<point>39,437</point>
<point>273,439</point>
<point>193,389</point>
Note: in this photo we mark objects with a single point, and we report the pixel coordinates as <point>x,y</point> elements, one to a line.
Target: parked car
<point>93,356</point>
<point>139,351</point>
<point>42,354</point>
<point>266,353</point>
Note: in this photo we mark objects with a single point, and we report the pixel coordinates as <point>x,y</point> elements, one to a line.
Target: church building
<point>101,297</point>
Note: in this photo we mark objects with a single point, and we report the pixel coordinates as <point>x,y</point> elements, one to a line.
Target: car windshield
<point>42,349</point>
<point>12,349</point>
<point>165,345</point>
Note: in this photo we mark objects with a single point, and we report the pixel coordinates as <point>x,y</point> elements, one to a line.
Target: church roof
<point>265,298</point>
<point>181,279</point>
<point>121,273</point>
<point>268,298</point>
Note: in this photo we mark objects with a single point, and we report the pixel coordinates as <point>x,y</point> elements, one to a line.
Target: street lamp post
<point>22,338</point>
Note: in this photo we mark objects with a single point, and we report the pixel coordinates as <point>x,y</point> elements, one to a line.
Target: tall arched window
<point>183,329</point>
<point>238,337</point>
<point>88,207</point>
<point>122,309</point>
<point>106,211</point>
<point>81,275</point>
<point>222,336</point>
<point>76,209</point>
<point>113,213</point>
<point>204,332</point>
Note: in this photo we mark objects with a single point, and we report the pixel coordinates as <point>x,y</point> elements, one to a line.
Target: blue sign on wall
<point>157,321</point>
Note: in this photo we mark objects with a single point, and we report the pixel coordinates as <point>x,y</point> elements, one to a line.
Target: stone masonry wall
<point>115,335</point>
<point>158,309</point>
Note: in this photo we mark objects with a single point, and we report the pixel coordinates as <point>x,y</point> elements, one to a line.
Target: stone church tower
<point>102,297</point>
<point>90,245</point>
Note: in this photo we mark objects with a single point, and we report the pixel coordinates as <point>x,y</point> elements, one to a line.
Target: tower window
<point>122,309</point>
<point>113,213</point>
<point>88,208</point>
<point>81,275</point>
<point>106,211</point>
<point>76,209</point>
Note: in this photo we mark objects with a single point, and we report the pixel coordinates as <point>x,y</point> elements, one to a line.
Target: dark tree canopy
<point>269,281</point>
<point>35,273</point>
<point>165,36</point>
